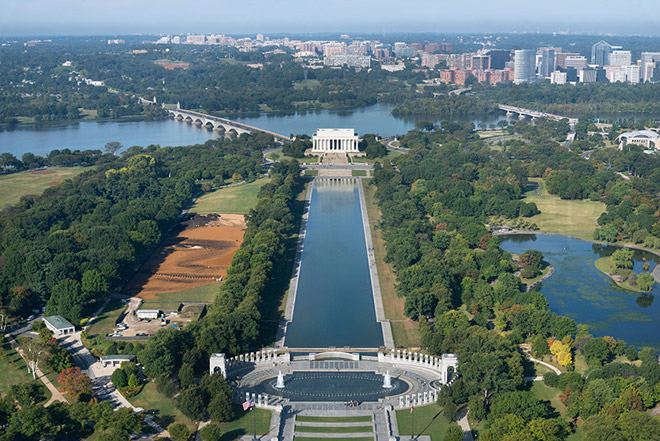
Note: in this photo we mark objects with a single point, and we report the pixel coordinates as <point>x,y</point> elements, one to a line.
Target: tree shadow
<point>233,434</point>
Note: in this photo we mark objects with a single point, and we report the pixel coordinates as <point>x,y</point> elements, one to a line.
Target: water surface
<point>334,301</point>
<point>580,291</point>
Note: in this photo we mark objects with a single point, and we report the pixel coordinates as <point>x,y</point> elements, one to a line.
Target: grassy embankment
<point>14,370</point>
<point>605,265</point>
<point>278,156</point>
<point>404,330</point>
<point>229,200</point>
<point>364,160</point>
<point>428,421</point>
<point>34,182</point>
<point>572,218</point>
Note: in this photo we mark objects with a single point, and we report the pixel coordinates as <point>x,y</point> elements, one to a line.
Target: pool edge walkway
<point>388,339</point>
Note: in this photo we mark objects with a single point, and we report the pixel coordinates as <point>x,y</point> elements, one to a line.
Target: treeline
<point>55,158</point>
<point>72,244</point>
<point>460,285</point>
<point>446,106</point>
<point>175,358</point>
<point>568,99</point>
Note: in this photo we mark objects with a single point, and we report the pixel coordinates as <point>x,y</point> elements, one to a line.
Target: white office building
<point>620,58</point>
<point>558,77</point>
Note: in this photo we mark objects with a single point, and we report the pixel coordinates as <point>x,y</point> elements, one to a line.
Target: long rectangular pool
<point>334,302</point>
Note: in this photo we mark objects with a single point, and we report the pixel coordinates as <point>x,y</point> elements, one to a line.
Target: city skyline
<point>77,17</point>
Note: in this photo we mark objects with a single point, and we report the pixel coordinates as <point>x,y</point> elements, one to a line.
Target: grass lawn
<point>16,185</point>
<point>229,200</point>
<point>311,172</point>
<point>162,408</point>
<point>404,330</point>
<point>311,84</point>
<point>199,294</point>
<point>349,419</point>
<point>359,173</point>
<point>105,323</point>
<point>363,159</point>
<point>605,265</point>
<point>428,421</point>
<point>338,429</point>
<point>245,425</point>
<point>545,393</point>
<point>14,370</point>
<point>307,438</point>
<point>563,216</point>
<point>278,156</point>
<point>544,271</point>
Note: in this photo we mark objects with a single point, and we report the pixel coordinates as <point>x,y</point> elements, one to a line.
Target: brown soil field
<point>197,254</point>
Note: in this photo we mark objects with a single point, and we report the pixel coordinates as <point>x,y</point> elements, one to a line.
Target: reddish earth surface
<point>198,254</point>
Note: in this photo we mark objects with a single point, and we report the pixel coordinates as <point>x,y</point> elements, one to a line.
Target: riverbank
<point>68,122</point>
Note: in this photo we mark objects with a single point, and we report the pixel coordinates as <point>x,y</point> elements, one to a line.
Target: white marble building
<point>335,141</point>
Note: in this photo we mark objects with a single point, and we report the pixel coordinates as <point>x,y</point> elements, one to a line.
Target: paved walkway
<point>465,424</point>
<point>56,395</point>
<point>388,338</point>
<point>548,365</point>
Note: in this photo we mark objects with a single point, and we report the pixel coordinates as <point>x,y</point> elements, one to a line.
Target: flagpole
<point>254,423</point>
<point>412,416</point>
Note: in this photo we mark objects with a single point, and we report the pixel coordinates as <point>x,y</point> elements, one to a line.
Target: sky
<point>115,17</point>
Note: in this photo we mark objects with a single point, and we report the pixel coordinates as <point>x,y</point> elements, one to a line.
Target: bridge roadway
<point>535,114</point>
<point>221,124</point>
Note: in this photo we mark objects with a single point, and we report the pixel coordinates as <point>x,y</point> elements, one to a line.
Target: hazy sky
<point>94,17</point>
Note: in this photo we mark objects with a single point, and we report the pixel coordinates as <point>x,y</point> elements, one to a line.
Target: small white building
<point>335,141</point>
<point>150,314</point>
<point>116,360</point>
<point>59,325</point>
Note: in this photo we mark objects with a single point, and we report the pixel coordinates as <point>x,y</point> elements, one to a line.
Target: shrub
<point>211,432</point>
<point>551,379</point>
<point>179,431</point>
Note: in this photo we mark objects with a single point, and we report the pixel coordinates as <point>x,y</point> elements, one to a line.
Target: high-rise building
<point>547,62</point>
<point>620,58</point>
<point>558,77</point>
<point>431,48</point>
<point>524,68</point>
<point>600,53</point>
<point>498,58</point>
<point>632,74</point>
<point>480,62</point>
<point>587,75</point>
<point>575,62</point>
<point>648,63</point>
<point>560,58</point>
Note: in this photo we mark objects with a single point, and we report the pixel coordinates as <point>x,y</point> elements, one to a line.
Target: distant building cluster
<point>491,66</point>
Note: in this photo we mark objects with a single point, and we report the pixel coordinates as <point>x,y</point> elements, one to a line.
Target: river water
<point>334,302</point>
<point>94,135</point>
<point>580,291</point>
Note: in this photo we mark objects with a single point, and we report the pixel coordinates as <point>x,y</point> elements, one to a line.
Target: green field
<point>244,425</point>
<point>348,419</point>
<point>16,185</point>
<point>162,408</point>
<point>363,159</point>
<point>359,172</point>
<point>310,84</point>
<point>311,172</point>
<point>199,294</point>
<point>563,216</point>
<point>307,438</point>
<point>229,200</point>
<point>334,429</point>
<point>105,322</point>
<point>545,393</point>
<point>14,370</point>
<point>278,156</point>
<point>428,421</point>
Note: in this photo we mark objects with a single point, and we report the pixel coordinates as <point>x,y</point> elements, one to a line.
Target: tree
<point>596,351</point>
<point>113,147</point>
<point>119,378</point>
<point>454,432</point>
<point>211,432</point>
<point>540,346</point>
<point>179,431</point>
<point>186,376</point>
<point>645,282</point>
<point>191,402</point>
<point>221,409</point>
<point>35,353</point>
<point>66,300</point>
<point>623,258</point>
<point>27,394</point>
<point>75,383</point>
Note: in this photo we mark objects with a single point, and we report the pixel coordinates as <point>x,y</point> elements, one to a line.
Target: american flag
<point>411,407</point>
<point>248,404</point>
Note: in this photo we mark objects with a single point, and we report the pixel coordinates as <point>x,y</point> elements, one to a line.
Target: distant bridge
<point>221,125</point>
<point>522,113</point>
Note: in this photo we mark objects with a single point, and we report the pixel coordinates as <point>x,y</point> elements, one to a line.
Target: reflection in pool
<point>333,386</point>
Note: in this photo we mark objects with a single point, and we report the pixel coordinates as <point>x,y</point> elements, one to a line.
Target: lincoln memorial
<point>335,141</point>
